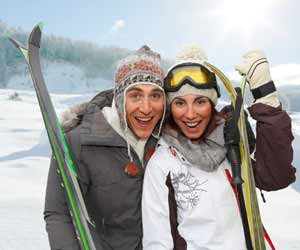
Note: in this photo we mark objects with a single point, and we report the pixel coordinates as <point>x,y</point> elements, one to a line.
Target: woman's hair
<point>214,121</point>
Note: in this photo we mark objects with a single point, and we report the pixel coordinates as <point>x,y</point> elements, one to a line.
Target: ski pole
<point>232,139</point>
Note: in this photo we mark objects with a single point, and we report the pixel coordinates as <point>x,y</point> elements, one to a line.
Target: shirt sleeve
<point>155,206</point>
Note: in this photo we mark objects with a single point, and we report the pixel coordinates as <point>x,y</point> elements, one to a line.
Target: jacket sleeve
<point>155,208</point>
<point>272,167</point>
<point>59,225</point>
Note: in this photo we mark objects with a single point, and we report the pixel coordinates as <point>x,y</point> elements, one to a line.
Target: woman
<point>188,202</point>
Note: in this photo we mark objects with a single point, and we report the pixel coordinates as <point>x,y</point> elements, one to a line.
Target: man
<point>110,146</point>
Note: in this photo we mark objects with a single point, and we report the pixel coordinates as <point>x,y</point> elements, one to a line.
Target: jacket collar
<point>95,130</point>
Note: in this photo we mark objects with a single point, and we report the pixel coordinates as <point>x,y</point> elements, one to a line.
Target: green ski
<point>66,168</point>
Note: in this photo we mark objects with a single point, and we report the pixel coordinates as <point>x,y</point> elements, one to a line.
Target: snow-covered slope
<point>24,160</point>
<point>61,77</point>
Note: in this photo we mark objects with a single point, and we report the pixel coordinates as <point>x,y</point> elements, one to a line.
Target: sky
<point>225,29</point>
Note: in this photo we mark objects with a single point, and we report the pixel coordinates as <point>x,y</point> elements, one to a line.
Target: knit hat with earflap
<point>191,54</point>
<point>141,67</point>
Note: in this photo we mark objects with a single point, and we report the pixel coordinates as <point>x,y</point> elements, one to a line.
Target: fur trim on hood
<point>70,118</point>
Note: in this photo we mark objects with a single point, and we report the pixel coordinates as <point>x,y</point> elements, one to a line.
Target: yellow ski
<point>249,189</point>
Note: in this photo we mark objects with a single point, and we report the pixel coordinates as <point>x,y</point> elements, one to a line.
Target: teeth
<point>144,119</point>
<point>191,124</point>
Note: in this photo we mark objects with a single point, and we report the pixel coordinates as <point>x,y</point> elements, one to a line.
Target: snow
<point>280,216</point>
<point>62,77</point>
<point>296,122</point>
<point>24,161</point>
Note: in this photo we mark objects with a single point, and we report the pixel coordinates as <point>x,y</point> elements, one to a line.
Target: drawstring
<point>131,168</point>
<point>157,136</point>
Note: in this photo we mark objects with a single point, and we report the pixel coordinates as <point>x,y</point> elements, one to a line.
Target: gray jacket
<point>112,197</point>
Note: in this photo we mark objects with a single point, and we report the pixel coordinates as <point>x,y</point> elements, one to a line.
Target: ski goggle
<point>194,74</point>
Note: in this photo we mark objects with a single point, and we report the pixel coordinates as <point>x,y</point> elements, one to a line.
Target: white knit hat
<point>192,54</point>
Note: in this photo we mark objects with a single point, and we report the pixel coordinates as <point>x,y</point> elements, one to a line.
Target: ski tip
<point>41,25</point>
<point>7,37</point>
<point>14,42</point>
<point>17,44</point>
<point>36,35</point>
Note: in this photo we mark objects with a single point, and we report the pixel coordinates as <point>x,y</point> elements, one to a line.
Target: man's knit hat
<point>191,54</point>
<point>141,67</point>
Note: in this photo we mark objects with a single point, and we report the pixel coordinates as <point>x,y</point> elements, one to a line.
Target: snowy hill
<point>61,77</point>
<point>82,62</point>
<point>79,65</point>
<point>24,162</point>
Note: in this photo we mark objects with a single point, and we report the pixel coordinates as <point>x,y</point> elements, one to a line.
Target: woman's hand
<point>256,69</point>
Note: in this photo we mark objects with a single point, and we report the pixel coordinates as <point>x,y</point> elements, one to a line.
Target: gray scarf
<point>207,155</point>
